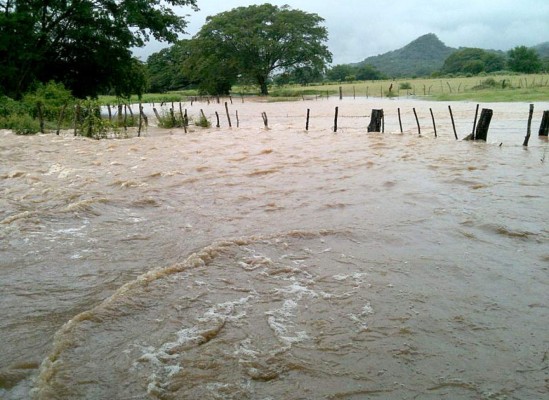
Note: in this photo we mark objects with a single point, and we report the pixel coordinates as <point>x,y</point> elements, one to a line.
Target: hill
<point>420,57</point>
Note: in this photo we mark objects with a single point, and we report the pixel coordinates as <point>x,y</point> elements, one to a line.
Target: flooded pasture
<point>253,263</point>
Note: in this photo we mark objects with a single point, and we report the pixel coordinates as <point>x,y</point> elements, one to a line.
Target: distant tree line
<point>473,61</point>
<point>187,64</point>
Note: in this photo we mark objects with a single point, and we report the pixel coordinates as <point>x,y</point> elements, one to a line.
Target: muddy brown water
<point>248,263</point>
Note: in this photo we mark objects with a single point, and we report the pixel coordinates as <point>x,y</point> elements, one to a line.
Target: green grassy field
<point>496,88</point>
<point>504,88</point>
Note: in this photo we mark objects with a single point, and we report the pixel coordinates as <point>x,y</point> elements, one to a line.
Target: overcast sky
<point>362,28</point>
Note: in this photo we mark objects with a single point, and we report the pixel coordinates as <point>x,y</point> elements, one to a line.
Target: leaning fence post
<point>399,120</point>
<point>453,123</point>
<point>527,138</point>
<point>433,118</point>
<point>228,116</point>
<point>265,119</point>
<point>335,119</point>
<point>417,121</point>
<point>217,117</point>
<point>157,115</point>
<point>475,123</point>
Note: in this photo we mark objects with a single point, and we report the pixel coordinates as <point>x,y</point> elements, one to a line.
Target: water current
<point>279,263</point>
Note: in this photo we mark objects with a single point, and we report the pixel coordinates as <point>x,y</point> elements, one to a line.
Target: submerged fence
<point>372,121</point>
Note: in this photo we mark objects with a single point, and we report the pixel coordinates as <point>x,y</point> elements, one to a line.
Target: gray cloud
<point>363,28</point>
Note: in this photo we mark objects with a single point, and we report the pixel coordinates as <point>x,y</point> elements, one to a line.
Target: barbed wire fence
<point>339,120</point>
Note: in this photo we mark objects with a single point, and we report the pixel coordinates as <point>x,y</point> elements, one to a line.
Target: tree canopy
<point>165,68</point>
<point>256,41</point>
<point>473,61</point>
<point>523,59</point>
<point>85,44</point>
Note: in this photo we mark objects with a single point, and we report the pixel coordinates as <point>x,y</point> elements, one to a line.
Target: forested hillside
<point>421,57</point>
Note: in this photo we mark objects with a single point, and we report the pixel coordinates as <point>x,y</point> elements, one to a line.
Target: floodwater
<point>253,263</point>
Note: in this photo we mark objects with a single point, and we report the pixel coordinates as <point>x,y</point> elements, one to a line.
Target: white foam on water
<point>165,359</point>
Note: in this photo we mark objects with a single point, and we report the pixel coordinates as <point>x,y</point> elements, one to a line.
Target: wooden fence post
<point>527,138</point>
<point>399,120</point>
<point>434,124</point>
<point>228,116</point>
<point>335,119</point>
<point>140,120</point>
<point>453,123</point>
<point>340,93</point>
<point>307,123</point>
<point>417,122</point>
<point>217,117</point>
<point>481,132</point>
<point>40,116</point>
<point>544,126</point>
<point>265,119</point>
<point>376,118</point>
<point>156,115</point>
<point>475,122</point>
<point>77,118</point>
<point>61,117</point>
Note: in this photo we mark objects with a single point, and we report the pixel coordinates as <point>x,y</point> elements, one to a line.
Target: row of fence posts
<point>479,131</point>
<point>377,120</point>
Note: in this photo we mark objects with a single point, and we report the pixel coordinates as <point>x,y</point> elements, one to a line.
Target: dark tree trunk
<point>262,81</point>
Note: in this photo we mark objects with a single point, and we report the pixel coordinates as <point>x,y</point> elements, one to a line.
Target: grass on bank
<point>500,88</point>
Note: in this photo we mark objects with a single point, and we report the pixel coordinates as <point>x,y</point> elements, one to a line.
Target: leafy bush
<point>52,97</point>
<point>486,84</point>
<point>21,124</point>
<point>203,121</point>
<point>405,86</point>
<point>168,120</point>
<point>92,124</point>
<point>9,107</point>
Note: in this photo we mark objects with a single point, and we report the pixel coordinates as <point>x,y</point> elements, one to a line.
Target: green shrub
<point>9,106</point>
<point>21,124</point>
<point>203,122</point>
<point>52,97</point>
<point>405,86</point>
<point>486,84</point>
<point>168,120</point>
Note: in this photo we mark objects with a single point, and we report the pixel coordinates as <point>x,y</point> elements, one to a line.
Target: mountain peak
<point>421,56</point>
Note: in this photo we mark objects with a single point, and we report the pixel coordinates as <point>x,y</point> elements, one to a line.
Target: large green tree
<point>523,59</point>
<point>86,44</point>
<point>256,41</point>
<point>473,61</point>
<point>165,68</point>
